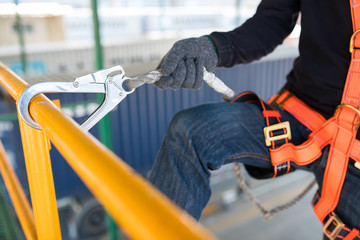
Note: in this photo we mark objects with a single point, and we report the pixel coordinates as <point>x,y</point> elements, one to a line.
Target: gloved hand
<point>183,66</point>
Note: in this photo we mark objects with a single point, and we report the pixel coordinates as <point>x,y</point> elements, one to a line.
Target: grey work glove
<point>183,66</point>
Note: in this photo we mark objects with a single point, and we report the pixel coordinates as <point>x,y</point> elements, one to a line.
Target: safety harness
<point>339,132</point>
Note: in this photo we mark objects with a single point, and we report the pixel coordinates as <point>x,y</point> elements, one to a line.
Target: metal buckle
<point>269,129</point>
<point>353,108</point>
<point>357,165</point>
<point>351,48</point>
<point>338,226</point>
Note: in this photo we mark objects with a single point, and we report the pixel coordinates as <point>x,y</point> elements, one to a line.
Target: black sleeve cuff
<point>224,49</point>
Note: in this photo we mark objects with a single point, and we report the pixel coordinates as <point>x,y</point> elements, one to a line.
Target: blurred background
<point>58,41</point>
<point>132,32</point>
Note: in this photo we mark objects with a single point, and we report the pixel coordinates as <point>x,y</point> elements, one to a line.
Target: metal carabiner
<point>109,81</point>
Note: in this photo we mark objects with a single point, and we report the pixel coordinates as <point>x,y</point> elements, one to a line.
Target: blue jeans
<point>205,137</point>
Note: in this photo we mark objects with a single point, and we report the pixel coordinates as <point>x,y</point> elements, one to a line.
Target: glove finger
<point>179,75</point>
<point>199,78</point>
<point>171,60</point>
<point>164,82</point>
<point>190,73</point>
<point>182,49</point>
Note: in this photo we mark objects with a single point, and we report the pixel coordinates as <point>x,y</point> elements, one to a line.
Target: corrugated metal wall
<point>140,121</point>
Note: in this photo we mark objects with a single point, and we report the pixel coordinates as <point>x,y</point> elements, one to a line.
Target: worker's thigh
<point>221,133</point>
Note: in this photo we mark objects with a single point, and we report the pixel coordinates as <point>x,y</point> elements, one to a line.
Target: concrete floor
<point>240,219</point>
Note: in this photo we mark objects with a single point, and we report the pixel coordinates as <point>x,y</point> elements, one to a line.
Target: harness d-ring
<point>351,48</point>
<point>353,108</point>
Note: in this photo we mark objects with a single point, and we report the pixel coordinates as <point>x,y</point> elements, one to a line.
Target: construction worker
<point>205,137</point>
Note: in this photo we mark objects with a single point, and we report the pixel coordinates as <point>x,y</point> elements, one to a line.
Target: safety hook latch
<point>108,81</point>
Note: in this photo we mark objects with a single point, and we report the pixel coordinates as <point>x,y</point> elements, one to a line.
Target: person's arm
<point>272,23</point>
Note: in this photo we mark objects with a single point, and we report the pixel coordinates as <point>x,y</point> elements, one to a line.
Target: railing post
<point>41,185</point>
<point>20,32</point>
<point>17,195</point>
<point>104,125</point>
<point>9,228</point>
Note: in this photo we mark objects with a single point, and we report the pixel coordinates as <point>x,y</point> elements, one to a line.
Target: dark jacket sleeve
<point>259,35</point>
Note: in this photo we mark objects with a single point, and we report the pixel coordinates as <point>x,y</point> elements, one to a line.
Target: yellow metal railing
<point>41,184</point>
<point>17,195</point>
<point>141,210</point>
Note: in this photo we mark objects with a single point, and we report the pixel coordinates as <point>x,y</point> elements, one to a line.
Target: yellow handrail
<point>41,183</point>
<point>17,195</point>
<point>142,211</point>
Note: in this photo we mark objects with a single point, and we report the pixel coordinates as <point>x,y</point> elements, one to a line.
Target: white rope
<point>209,78</point>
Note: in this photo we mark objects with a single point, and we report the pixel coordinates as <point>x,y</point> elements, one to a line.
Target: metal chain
<point>268,214</point>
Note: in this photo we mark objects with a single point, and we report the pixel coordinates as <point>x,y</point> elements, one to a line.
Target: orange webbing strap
<point>355,16</point>
<point>355,151</point>
<point>307,116</point>
<point>354,233</point>
<point>312,148</point>
<point>347,118</point>
<point>337,163</point>
<point>307,152</point>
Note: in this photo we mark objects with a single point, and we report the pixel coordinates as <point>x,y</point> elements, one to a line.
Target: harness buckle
<point>353,108</point>
<point>331,234</point>
<point>269,129</point>
<point>357,165</point>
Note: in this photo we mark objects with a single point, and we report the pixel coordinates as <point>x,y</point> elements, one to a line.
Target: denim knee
<point>184,119</point>
<point>184,124</point>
